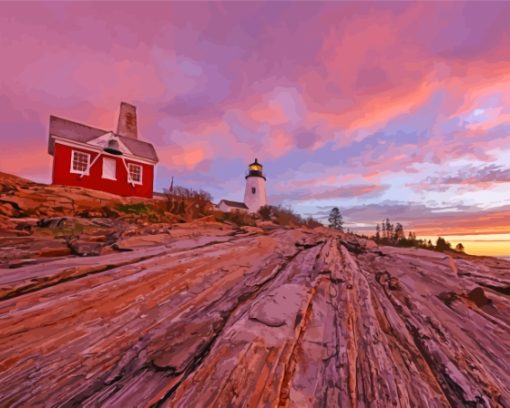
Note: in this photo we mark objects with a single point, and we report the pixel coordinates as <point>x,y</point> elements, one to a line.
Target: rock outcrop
<point>210,315</point>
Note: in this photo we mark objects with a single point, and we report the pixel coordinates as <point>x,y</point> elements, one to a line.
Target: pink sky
<point>383,109</point>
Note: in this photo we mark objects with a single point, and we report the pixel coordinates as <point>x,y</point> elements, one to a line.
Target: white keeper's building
<point>255,195</point>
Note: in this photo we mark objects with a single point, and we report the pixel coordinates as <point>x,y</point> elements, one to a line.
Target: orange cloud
<point>187,158</point>
<point>33,161</point>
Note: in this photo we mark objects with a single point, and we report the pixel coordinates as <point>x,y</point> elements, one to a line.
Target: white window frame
<point>87,170</point>
<point>130,180</point>
<point>115,168</point>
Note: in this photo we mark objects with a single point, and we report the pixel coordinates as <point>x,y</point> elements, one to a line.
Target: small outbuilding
<point>232,206</point>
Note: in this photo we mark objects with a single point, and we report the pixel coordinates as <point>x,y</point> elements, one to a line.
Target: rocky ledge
<point>286,317</point>
<point>205,314</point>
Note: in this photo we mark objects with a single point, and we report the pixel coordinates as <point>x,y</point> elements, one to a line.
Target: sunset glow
<point>486,244</point>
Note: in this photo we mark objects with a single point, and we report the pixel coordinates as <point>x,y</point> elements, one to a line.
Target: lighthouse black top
<point>255,170</point>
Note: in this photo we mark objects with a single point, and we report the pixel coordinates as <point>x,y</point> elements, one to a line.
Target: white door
<point>109,168</point>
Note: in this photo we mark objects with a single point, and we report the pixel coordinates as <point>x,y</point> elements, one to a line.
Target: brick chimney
<point>127,121</point>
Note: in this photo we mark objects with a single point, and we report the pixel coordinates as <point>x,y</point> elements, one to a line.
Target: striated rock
<point>26,224</point>
<point>277,308</point>
<point>204,314</point>
<point>252,230</point>
<point>54,248</point>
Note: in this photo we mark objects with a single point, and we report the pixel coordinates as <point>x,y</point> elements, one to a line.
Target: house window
<point>253,190</point>
<point>80,162</point>
<point>109,168</point>
<point>135,173</point>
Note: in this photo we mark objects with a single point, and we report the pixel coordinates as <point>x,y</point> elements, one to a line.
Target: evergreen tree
<point>377,232</point>
<point>389,229</point>
<point>335,219</point>
<point>399,232</point>
<point>442,244</point>
<point>460,247</point>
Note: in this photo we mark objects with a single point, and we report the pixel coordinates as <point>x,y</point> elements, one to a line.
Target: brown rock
<point>7,209</point>
<point>85,248</point>
<point>477,296</point>
<point>51,248</point>
<point>54,252</point>
<point>448,297</point>
<point>252,230</point>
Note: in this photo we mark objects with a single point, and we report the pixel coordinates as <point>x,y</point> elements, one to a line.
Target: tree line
<point>388,233</point>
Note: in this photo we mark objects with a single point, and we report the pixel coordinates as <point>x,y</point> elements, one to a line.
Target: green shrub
<point>236,217</point>
<point>137,208</point>
<point>188,202</point>
<point>265,212</point>
<point>311,222</point>
<point>287,217</point>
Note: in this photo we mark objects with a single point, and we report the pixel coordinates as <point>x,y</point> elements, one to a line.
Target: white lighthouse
<point>255,193</point>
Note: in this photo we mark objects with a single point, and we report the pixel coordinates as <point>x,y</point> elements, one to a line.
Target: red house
<point>115,162</point>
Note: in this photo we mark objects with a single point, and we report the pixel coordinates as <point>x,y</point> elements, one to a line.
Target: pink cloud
<point>470,177</point>
<point>347,191</point>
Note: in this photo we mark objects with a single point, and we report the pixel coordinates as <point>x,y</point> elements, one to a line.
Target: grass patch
<point>137,208</point>
<point>238,218</point>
